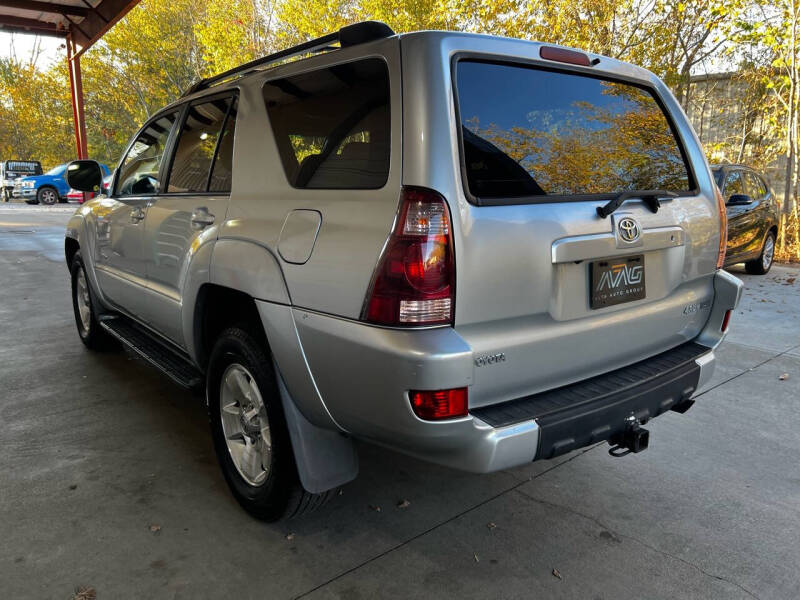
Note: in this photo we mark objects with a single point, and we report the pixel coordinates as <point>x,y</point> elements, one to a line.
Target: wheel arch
<point>325,459</point>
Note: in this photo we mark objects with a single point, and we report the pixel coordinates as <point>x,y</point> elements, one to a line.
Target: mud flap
<point>325,459</point>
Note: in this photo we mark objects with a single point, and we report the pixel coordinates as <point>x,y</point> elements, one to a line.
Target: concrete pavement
<point>108,479</point>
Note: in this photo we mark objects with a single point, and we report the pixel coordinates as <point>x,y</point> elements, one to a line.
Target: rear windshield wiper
<point>650,197</point>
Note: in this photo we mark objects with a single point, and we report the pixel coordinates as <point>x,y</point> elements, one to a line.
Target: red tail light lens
<point>414,283</point>
<point>723,228</point>
<point>565,55</point>
<point>726,320</point>
<point>440,404</point>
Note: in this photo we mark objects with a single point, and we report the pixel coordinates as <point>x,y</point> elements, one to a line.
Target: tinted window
<point>222,170</point>
<point>531,132</point>
<point>734,184</point>
<point>332,125</point>
<point>755,188</point>
<point>139,171</point>
<point>200,137</point>
<point>57,170</point>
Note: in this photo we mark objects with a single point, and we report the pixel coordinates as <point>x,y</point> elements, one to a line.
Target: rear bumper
<point>363,375</point>
<point>595,409</point>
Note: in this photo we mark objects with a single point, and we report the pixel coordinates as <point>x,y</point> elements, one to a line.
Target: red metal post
<point>76,90</point>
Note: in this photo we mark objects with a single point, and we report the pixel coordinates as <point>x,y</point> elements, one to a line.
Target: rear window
<point>25,167</point>
<point>540,133</point>
<point>332,125</point>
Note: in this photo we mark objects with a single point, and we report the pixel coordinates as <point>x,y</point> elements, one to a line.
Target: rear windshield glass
<point>533,132</point>
<point>26,167</point>
<point>332,125</point>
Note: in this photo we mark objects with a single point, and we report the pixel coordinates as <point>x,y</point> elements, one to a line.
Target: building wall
<point>717,112</point>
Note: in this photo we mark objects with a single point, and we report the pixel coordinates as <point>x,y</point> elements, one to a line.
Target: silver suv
<point>474,250</point>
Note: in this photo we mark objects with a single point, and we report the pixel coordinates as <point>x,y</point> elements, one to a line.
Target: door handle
<point>201,218</point>
<point>137,214</point>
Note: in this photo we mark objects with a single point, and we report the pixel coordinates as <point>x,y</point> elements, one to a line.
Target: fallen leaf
<point>789,281</point>
<point>784,377</point>
<point>85,593</point>
<point>557,574</point>
<point>375,508</point>
<point>491,525</point>
<point>290,537</point>
<point>475,556</point>
<point>403,504</point>
<point>155,528</point>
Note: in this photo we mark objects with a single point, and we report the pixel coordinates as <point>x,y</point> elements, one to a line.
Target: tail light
<point>723,228</point>
<point>439,404</point>
<point>726,320</point>
<point>414,282</point>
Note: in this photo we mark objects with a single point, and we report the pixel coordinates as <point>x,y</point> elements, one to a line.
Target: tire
<point>763,263</point>
<point>92,335</point>
<point>240,383</point>
<point>47,196</point>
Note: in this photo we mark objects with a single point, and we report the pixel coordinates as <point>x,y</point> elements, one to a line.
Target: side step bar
<point>158,353</point>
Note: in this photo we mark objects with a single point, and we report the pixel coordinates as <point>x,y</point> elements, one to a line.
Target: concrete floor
<point>108,480</point>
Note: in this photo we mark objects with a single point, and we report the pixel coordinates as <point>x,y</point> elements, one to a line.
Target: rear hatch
<point>548,291</point>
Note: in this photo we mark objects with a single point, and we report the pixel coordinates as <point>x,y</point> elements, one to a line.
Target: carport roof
<point>85,21</point>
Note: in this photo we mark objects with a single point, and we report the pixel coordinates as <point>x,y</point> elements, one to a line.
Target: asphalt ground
<point>108,481</point>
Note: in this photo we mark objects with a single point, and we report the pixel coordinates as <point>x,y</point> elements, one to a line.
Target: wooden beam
<point>104,16</point>
<point>29,31</point>
<point>46,7</point>
<point>31,26</point>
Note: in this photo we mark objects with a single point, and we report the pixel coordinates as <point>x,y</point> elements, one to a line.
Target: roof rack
<point>350,35</point>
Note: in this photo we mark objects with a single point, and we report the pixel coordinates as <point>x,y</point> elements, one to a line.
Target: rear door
<point>189,211</point>
<point>119,251</point>
<point>543,280</point>
<point>759,211</point>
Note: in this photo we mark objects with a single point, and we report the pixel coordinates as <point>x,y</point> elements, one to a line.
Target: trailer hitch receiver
<point>634,439</point>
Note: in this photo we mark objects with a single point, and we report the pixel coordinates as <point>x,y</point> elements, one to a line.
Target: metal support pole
<point>76,90</point>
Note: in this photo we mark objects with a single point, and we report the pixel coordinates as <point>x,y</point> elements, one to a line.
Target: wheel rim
<point>245,424</point>
<point>769,252</point>
<point>48,196</point>
<point>82,300</point>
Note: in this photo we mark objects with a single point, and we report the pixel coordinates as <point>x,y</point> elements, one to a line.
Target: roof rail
<point>350,35</point>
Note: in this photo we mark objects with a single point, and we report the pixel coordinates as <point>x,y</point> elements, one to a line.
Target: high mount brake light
<point>563,55</point>
<point>414,282</point>
<point>723,228</point>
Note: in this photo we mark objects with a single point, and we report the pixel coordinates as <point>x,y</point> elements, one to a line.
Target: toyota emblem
<point>628,229</point>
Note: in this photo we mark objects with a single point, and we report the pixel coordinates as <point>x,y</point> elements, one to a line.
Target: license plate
<point>617,280</point>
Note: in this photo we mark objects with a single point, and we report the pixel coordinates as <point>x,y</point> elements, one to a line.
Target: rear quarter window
<point>550,136</point>
<point>332,125</point>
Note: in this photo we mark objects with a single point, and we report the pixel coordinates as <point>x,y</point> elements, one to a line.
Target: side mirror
<point>85,175</point>
<point>739,200</point>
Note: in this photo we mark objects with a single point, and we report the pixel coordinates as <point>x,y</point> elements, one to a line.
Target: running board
<point>159,354</point>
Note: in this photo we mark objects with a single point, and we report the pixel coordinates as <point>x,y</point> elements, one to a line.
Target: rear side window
<point>332,125</point>
<point>202,160</point>
<point>549,134</point>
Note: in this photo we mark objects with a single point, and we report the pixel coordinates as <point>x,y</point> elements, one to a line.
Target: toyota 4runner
<point>474,250</point>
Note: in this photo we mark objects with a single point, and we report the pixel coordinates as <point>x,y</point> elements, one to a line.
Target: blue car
<point>49,188</point>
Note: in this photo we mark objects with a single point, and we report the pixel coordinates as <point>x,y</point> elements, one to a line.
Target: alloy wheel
<point>769,253</point>
<point>83,302</point>
<point>245,424</point>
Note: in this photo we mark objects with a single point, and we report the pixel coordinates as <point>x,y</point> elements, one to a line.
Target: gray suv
<point>474,250</point>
